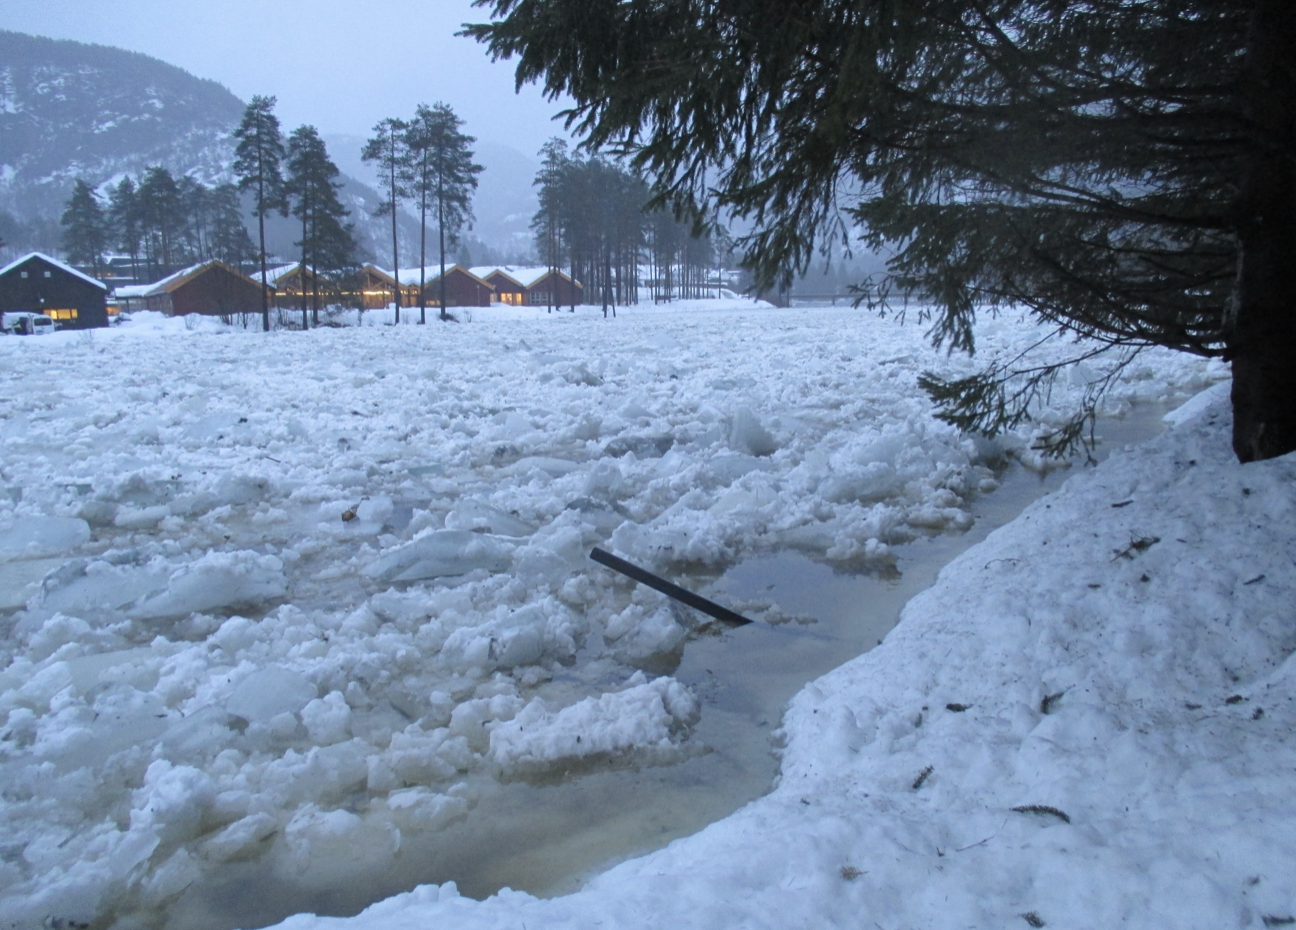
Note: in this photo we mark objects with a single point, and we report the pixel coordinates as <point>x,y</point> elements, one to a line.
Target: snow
<point>523,275</point>
<point>1067,730</point>
<point>300,599</point>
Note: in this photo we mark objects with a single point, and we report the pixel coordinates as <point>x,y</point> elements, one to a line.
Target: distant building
<point>463,288</point>
<point>211,288</point>
<point>534,286</point>
<point>288,281</point>
<point>378,288</point>
<point>37,283</point>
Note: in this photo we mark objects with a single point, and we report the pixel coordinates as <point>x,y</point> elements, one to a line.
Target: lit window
<point>62,314</point>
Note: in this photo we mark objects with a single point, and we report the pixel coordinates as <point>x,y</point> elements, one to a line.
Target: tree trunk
<point>1262,344</point>
<point>302,278</point>
<point>265,300</point>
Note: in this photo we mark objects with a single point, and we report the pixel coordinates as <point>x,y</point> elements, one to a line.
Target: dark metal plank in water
<point>643,576</point>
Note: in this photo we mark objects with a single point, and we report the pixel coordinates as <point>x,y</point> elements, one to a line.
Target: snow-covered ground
<point>294,598</point>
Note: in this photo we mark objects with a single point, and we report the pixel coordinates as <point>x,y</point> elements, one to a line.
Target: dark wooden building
<point>532,286</point>
<point>378,288</point>
<point>212,289</point>
<point>39,284</point>
<point>463,288</point>
<point>289,280</point>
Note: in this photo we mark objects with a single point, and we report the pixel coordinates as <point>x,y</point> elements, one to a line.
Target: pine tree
<point>85,234</point>
<point>1122,169</point>
<point>443,171</point>
<point>311,183</point>
<point>162,218</point>
<point>389,149</point>
<point>547,222</point>
<point>228,239</point>
<point>257,162</point>
<point>124,221</point>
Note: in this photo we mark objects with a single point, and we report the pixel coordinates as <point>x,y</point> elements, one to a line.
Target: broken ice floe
<point>441,553</point>
<point>644,723</point>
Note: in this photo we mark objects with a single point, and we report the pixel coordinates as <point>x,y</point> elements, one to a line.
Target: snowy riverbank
<point>1087,722</point>
<point>282,612</point>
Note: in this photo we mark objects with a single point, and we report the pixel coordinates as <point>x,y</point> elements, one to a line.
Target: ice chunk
<point>218,579</point>
<point>476,515</point>
<point>33,537</point>
<point>646,720</point>
<point>82,585</point>
<point>746,434</point>
<point>21,581</point>
<point>375,510</point>
<point>268,692</point>
<point>331,846</point>
<point>328,719</point>
<point>552,466</point>
<point>442,553</point>
<point>644,447</point>
<point>425,811</point>
<point>640,633</point>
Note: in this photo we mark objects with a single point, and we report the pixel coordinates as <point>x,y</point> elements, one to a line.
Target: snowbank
<point>1087,722</point>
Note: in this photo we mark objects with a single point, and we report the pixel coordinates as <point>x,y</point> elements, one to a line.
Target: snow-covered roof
<point>132,291</point>
<point>57,264</point>
<point>410,276</point>
<point>525,276</point>
<point>172,281</point>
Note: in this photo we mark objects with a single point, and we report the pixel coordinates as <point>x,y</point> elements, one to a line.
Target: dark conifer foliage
<point>125,221</point>
<point>1123,169</point>
<point>594,216</point>
<point>85,234</point>
<point>327,245</point>
<point>442,172</point>
<point>162,214</point>
<point>257,161</point>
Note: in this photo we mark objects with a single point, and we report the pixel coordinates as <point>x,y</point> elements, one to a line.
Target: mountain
<point>68,109</point>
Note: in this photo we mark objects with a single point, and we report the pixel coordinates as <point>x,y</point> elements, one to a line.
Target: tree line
<point>161,222</point>
<point>594,217</point>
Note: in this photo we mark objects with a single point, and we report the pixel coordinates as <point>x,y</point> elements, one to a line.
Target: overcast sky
<point>338,65</point>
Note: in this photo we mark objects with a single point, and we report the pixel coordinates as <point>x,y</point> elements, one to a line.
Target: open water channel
<point>548,839</point>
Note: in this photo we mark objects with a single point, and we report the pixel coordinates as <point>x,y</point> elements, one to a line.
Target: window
<point>539,297</point>
<point>62,314</point>
<point>24,274</point>
<point>47,274</point>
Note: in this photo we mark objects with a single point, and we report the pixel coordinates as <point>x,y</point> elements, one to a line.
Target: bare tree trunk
<point>302,276</point>
<point>1263,337</point>
<point>265,298</point>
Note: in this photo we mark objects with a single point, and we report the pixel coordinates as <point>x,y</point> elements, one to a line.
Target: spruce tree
<point>85,233</point>
<point>228,239</point>
<point>326,243</point>
<point>162,218</point>
<point>257,161</point>
<point>124,221</point>
<point>1121,169</point>
<point>389,149</point>
<point>548,220</point>
<point>443,171</point>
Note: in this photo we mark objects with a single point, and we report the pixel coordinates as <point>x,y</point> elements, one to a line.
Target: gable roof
<point>57,264</point>
<point>523,276</point>
<point>410,276</point>
<point>183,276</point>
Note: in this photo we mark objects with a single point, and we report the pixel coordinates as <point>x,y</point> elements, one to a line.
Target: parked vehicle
<point>24,323</point>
